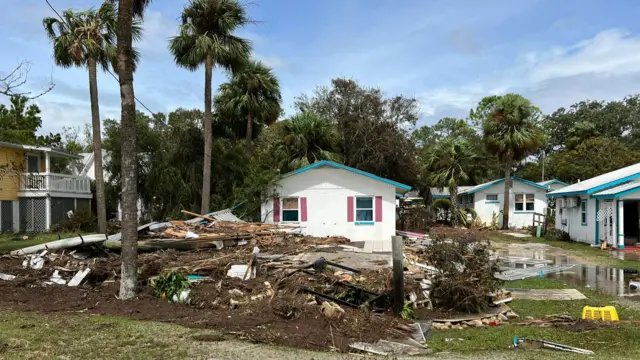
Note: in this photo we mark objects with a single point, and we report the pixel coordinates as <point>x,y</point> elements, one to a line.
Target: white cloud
<point>605,67</point>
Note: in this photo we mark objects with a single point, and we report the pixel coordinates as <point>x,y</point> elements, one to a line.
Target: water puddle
<point>615,282</point>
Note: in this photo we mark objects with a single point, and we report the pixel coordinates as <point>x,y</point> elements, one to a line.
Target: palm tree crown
<point>207,31</point>
<point>82,35</point>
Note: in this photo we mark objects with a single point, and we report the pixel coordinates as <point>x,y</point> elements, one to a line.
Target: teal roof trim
<point>494,182</point>
<point>353,170</point>
<point>554,181</point>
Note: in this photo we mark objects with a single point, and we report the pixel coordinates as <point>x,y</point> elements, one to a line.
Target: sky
<point>447,54</point>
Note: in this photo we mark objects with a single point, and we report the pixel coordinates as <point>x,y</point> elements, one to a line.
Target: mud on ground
<point>290,317</point>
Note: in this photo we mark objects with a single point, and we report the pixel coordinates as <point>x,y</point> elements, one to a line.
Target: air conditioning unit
<point>562,203</point>
<point>573,202</point>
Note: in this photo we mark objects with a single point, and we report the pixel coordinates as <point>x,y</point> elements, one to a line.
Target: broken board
<point>491,312</point>
<point>547,294</point>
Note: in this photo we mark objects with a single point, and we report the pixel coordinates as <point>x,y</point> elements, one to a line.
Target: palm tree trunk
<point>453,192</point>
<point>505,200</point>
<point>208,118</point>
<point>129,250</point>
<point>97,146</point>
<point>248,148</point>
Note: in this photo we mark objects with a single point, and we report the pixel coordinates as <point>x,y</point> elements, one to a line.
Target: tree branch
<point>11,83</point>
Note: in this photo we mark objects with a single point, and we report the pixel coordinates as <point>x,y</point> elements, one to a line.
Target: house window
<point>583,212</point>
<point>525,202</point>
<point>364,208</point>
<point>492,197</point>
<point>33,163</point>
<point>290,209</point>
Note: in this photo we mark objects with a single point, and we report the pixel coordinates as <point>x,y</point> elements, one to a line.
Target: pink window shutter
<point>276,209</point>
<point>350,209</point>
<point>303,209</point>
<point>378,208</point>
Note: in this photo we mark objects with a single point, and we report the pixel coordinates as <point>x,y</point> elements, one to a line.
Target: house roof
<point>400,188</point>
<point>438,193</point>
<point>39,148</point>
<point>600,182</point>
<point>552,181</point>
<point>489,184</point>
<point>616,192</point>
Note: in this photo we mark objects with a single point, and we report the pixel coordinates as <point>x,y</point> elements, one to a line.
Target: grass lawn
<point>73,336</point>
<point>588,254</point>
<point>607,343</point>
<point>10,242</point>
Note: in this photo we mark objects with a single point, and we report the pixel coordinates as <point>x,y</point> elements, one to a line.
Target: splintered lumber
<point>62,244</point>
<point>198,215</point>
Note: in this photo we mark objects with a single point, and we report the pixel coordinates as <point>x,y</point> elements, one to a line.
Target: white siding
<point>577,231</point>
<point>326,190</point>
<point>517,219</point>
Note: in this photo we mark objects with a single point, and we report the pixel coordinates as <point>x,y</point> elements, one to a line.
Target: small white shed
<point>525,199</point>
<point>331,199</point>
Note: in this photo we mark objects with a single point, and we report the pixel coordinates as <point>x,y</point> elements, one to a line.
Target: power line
<point>107,70</point>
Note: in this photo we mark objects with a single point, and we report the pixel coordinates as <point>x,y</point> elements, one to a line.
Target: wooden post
<point>398,274</point>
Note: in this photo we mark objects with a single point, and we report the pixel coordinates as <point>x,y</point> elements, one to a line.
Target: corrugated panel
<point>222,215</point>
<point>600,180</point>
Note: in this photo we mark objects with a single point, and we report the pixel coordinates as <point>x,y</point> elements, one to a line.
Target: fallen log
<point>62,244</point>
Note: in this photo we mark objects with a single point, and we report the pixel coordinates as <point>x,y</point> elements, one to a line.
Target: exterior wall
<point>577,231</point>
<point>327,190</point>
<point>517,219</point>
<point>9,185</point>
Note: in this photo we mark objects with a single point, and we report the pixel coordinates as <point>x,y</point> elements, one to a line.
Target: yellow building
<point>32,197</point>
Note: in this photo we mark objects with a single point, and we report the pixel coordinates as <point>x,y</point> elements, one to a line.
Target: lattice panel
<point>39,214</point>
<point>83,203</point>
<point>6,218</point>
<point>605,213</point>
<point>59,209</point>
<point>33,214</point>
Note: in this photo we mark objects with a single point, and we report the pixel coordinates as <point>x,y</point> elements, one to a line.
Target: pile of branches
<point>466,274</point>
<point>417,219</point>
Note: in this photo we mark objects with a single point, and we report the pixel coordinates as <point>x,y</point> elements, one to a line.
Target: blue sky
<point>448,54</point>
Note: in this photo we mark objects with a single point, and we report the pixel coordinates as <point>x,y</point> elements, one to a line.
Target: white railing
<point>55,183</point>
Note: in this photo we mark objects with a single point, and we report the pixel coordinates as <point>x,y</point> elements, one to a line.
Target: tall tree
<point>207,38</point>
<point>127,9</point>
<point>87,39</point>
<point>254,94</point>
<point>449,164</point>
<point>511,132</point>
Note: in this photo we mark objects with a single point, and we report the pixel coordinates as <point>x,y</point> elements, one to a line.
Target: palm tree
<point>512,133</point>
<point>305,139</point>
<point>253,93</point>
<point>87,39</point>
<point>127,10</point>
<point>448,164</point>
<point>207,38</point>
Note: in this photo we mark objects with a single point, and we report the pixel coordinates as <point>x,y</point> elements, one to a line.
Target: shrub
<point>167,285</point>
<point>558,235</point>
<point>466,274</point>
<point>81,220</point>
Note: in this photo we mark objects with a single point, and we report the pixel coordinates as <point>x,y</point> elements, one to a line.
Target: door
<point>605,219</point>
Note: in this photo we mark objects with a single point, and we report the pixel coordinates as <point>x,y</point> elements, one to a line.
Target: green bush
<point>558,235</point>
<point>82,220</point>
<point>169,285</point>
<point>441,204</point>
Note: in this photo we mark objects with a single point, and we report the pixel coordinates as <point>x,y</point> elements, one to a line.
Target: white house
<point>89,170</point>
<point>553,184</point>
<point>525,199</point>
<point>330,199</point>
<point>603,208</point>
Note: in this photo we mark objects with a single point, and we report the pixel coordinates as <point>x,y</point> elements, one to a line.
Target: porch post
<point>620,219</point>
<point>47,170</point>
<point>48,211</point>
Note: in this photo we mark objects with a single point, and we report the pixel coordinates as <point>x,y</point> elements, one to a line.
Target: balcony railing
<point>55,183</point>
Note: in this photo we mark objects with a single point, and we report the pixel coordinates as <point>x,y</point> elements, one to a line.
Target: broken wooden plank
<point>547,294</point>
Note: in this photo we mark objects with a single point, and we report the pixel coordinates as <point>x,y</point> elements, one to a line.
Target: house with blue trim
<point>553,184</point>
<point>604,208</point>
<point>525,199</point>
<point>331,199</point>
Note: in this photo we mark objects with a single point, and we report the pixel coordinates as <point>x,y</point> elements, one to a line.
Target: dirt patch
<point>279,312</point>
<point>209,337</point>
<point>585,325</point>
